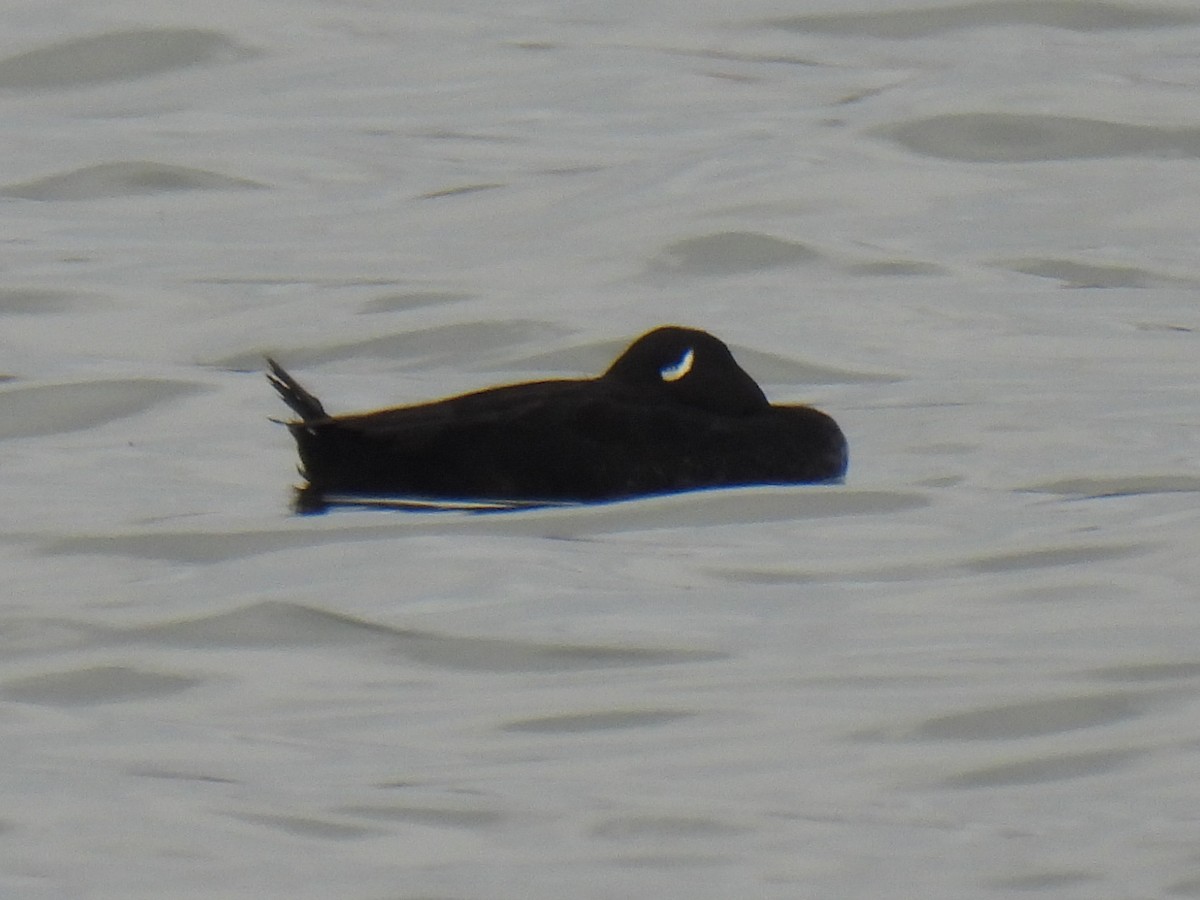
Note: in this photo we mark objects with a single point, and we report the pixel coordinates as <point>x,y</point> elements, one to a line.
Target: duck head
<point>690,366</point>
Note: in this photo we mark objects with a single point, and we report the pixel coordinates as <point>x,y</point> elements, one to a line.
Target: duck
<point>674,412</point>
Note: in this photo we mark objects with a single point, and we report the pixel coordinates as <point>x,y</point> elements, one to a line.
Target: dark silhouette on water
<point>675,412</point>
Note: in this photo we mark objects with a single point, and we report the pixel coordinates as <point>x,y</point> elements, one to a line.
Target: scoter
<point>674,412</point>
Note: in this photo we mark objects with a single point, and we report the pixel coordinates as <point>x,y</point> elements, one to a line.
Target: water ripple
<point>117,56</point>
<point>1090,275</point>
<point>457,344</point>
<point>1128,486</point>
<point>276,624</point>
<point>689,510</point>
<point>1045,768</point>
<point>56,408</point>
<point>1072,15</point>
<point>432,817</point>
<point>730,253</point>
<point>605,720</point>
<point>124,179</point>
<point>90,686</point>
<point>1037,717</point>
<point>1011,137</point>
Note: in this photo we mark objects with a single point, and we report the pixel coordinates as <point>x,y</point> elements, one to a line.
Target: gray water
<point>966,231</point>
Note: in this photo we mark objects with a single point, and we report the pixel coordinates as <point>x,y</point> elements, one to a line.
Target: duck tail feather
<point>304,404</point>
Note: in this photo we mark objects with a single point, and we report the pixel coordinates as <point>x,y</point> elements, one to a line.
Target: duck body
<point>674,413</point>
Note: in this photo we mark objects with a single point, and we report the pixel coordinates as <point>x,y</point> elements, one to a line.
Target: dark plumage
<point>675,412</point>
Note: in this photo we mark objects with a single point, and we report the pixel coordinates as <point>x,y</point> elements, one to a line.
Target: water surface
<point>965,230</point>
